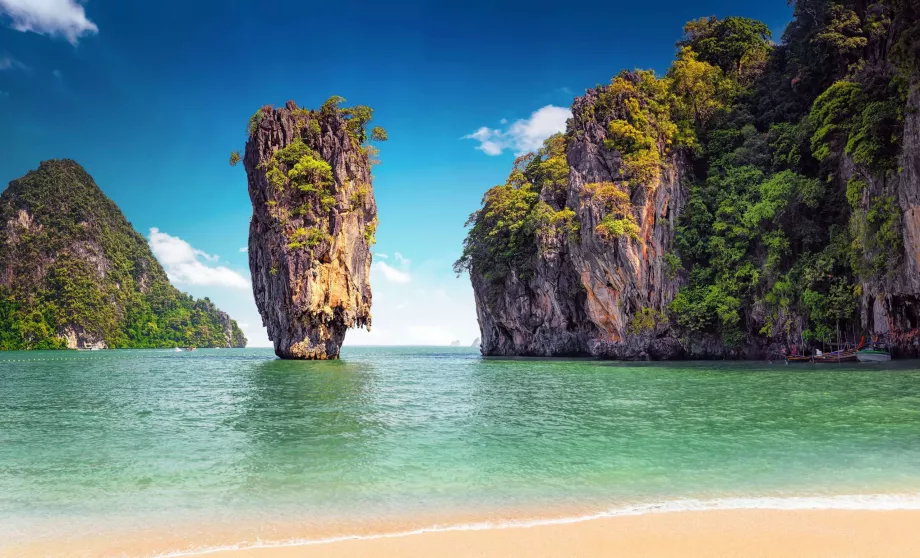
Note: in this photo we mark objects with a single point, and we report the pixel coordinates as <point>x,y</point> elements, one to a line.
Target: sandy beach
<point>767,533</point>
<point>763,533</point>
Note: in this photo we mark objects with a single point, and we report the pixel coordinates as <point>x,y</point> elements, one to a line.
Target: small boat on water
<point>846,355</point>
<point>873,355</point>
<point>190,348</point>
<point>798,358</point>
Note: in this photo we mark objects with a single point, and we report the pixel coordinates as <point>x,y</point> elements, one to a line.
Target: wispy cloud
<point>64,18</point>
<point>244,249</point>
<point>57,74</point>
<point>7,62</point>
<point>392,274</point>
<point>381,256</point>
<point>401,259</point>
<point>522,135</point>
<point>183,264</point>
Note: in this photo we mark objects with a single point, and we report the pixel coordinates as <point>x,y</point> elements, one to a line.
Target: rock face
<point>584,290</point>
<point>75,274</point>
<point>891,304</point>
<point>313,222</point>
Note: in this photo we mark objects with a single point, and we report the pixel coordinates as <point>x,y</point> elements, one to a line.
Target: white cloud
<point>182,264</point>
<point>392,274</point>
<point>401,259</point>
<point>382,256</point>
<point>522,135</point>
<point>244,249</point>
<point>65,18</point>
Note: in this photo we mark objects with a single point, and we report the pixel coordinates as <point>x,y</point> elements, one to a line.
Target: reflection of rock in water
<point>298,414</point>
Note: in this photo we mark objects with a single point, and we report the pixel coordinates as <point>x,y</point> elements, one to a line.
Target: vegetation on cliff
<point>73,269</point>
<point>776,240</point>
<point>791,153</point>
<point>504,233</point>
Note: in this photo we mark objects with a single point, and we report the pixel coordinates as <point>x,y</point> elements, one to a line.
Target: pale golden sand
<point>747,533</point>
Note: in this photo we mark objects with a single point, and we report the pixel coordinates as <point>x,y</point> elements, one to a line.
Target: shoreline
<point>741,532</point>
<point>856,525</point>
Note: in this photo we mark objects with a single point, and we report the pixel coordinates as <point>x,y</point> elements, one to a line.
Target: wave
<point>875,502</point>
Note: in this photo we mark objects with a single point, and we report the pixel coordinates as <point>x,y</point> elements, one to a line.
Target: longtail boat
<point>798,358</point>
<point>846,355</point>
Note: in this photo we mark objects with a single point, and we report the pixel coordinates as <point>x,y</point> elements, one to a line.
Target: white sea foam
<point>876,502</point>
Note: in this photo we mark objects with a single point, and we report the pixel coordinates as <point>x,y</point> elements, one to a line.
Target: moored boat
<point>798,358</point>
<point>873,355</point>
<point>847,355</point>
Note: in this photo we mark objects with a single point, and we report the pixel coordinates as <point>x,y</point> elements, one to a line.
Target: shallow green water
<point>230,433</point>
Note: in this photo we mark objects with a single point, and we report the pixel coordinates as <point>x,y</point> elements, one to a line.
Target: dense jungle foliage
<point>68,258</point>
<point>793,155</point>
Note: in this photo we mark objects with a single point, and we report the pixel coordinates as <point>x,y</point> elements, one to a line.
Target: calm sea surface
<point>133,437</point>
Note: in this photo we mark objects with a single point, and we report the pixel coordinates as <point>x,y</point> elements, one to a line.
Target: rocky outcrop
<point>232,334</point>
<point>313,222</point>
<point>592,295</point>
<point>75,274</point>
<point>586,290</point>
<point>76,337</point>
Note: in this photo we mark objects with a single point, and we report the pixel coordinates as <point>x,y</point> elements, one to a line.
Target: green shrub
<point>646,320</point>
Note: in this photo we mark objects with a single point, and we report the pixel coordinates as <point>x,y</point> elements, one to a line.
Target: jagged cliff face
<point>313,223</point>
<point>75,274</point>
<point>890,305</point>
<point>587,286</point>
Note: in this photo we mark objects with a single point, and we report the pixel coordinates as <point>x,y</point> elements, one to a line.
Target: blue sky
<point>151,97</point>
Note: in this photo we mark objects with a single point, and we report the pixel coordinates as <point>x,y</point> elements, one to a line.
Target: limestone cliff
<point>585,283</point>
<point>890,302</point>
<point>75,274</point>
<point>759,196</point>
<point>313,223</point>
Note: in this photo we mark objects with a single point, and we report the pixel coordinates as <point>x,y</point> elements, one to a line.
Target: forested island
<point>756,196</point>
<point>75,274</point>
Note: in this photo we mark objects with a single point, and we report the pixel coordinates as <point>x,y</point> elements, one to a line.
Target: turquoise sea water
<point>135,437</point>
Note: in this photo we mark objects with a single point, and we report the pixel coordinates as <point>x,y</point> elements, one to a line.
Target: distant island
<point>75,274</point>
<point>755,197</point>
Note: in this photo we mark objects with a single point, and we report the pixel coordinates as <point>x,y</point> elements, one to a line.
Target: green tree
<point>736,45</point>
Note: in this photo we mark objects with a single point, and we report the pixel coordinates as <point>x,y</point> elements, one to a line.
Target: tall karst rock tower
<point>313,223</point>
